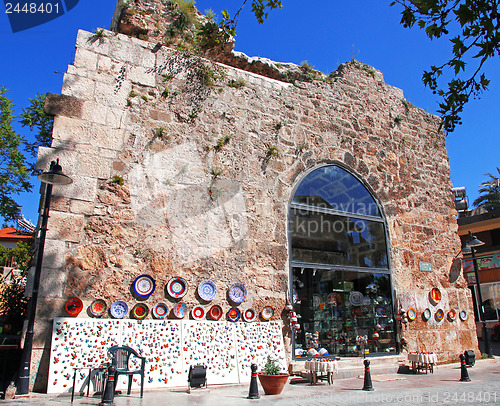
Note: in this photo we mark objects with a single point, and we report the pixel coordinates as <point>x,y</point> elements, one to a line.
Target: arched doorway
<point>340,274</point>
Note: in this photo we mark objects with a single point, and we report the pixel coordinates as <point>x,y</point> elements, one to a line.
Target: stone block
<point>65,226</point>
<point>71,129</point>
<point>113,94</point>
<point>78,86</point>
<point>81,207</point>
<point>109,138</point>
<point>85,59</point>
<point>142,76</point>
<point>92,43</point>
<point>53,283</point>
<point>61,105</point>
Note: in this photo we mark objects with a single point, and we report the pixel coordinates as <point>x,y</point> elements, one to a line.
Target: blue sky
<point>324,32</point>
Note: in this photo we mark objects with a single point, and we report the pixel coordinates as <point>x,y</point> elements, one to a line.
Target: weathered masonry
<point>331,194</point>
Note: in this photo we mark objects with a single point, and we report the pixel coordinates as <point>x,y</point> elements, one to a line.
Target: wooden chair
<point>120,357</point>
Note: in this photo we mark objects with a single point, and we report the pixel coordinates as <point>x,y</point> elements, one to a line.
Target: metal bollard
<point>367,385</point>
<point>108,394</point>
<point>253,393</point>
<point>464,374</point>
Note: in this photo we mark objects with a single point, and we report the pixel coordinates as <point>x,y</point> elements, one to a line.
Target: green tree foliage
<point>213,34</point>
<point>14,174</point>
<point>477,23</point>
<point>12,300</point>
<point>35,118</point>
<point>15,167</point>
<point>490,192</point>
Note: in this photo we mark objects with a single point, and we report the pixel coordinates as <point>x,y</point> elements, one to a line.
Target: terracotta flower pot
<point>273,384</point>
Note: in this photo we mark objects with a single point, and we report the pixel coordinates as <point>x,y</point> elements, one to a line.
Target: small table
<point>97,373</point>
<point>422,361</point>
<point>322,366</point>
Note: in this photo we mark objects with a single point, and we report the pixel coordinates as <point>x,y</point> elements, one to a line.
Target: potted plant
<point>271,378</point>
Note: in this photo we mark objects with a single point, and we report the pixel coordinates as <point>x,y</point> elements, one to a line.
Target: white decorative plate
<point>197,313</point>
<point>237,293</point>
<point>249,315</point>
<point>207,290</point>
<point>144,285</point>
<point>462,315</point>
<point>119,309</point>
<point>267,312</point>
<point>177,287</point>
<point>160,311</point>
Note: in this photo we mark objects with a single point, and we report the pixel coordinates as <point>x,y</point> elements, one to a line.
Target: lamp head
<point>55,175</point>
<point>473,241</point>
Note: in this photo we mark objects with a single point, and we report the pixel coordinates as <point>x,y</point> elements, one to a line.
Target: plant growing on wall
<point>272,151</point>
<point>221,142</point>
<point>117,180</point>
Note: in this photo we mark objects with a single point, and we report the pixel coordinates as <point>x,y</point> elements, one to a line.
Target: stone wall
<point>183,167</point>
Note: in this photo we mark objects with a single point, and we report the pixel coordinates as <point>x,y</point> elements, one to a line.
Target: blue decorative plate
<point>144,286</point>
<point>237,293</point>
<point>160,311</point>
<point>356,298</point>
<point>233,314</point>
<point>207,290</point>
<point>180,310</point>
<point>177,287</point>
<point>119,309</point>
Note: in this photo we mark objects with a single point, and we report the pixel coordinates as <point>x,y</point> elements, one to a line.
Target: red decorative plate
<point>198,313</point>
<point>177,287</point>
<point>74,306</point>
<point>215,312</point>
<point>140,311</point>
<point>160,311</point>
<point>249,315</point>
<point>98,307</point>
<point>452,315</point>
<point>435,295</point>
<point>233,314</point>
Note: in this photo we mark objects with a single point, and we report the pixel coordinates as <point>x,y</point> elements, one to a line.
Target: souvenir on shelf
<point>119,309</point>
<point>462,315</point>
<point>180,310</point>
<point>435,296</point>
<point>144,286</point>
<point>249,315</point>
<point>237,293</point>
<point>412,314</point>
<point>98,308</point>
<point>140,311</point>
<point>426,314</point>
<point>355,298</point>
<point>380,311</point>
<point>73,306</point>
<point>160,311</point>
<point>215,312</point>
<point>177,287</point>
<point>233,314</point>
<point>198,313</point>
<point>439,315</point>
<point>207,290</point>
<point>267,312</point>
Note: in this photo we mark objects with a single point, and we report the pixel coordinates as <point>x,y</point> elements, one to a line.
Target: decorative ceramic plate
<point>249,315</point>
<point>160,311</point>
<point>140,311</point>
<point>426,314</point>
<point>233,314</point>
<point>267,312</point>
<point>316,300</point>
<point>367,301</point>
<point>119,309</point>
<point>439,315</point>
<point>73,306</point>
<point>198,313</point>
<point>452,315</point>
<point>237,293</point>
<point>412,314</point>
<point>435,295</point>
<point>144,286</point>
<point>462,315</point>
<point>215,312</point>
<point>207,290</point>
<point>98,307</point>
<point>177,287</point>
<point>356,298</point>
<point>380,311</point>
<point>180,310</point>
<point>295,296</point>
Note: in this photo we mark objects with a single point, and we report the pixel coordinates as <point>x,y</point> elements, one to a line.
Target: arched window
<point>340,273</point>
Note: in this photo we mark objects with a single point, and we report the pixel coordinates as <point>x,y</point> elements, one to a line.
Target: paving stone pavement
<point>441,387</point>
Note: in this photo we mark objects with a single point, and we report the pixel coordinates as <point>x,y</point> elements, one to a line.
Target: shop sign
<point>484,262</point>
<point>425,266</point>
<point>471,278</point>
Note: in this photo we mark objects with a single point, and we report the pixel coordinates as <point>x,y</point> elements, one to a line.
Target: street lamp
<point>472,244</point>
<point>54,176</point>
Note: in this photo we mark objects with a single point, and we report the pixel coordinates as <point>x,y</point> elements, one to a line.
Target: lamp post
<point>55,176</point>
<point>472,244</point>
